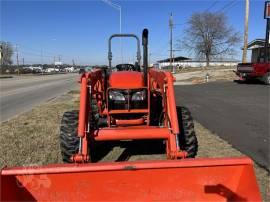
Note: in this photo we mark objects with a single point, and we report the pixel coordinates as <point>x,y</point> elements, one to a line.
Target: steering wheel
<point>125,67</point>
<point>130,67</point>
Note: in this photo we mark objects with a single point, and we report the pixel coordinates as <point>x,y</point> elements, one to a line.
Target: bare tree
<point>7,52</point>
<point>208,35</point>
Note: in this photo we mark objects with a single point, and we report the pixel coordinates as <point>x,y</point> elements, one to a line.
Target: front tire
<point>187,138</point>
<point>266,78</point>
<point>69,140</point>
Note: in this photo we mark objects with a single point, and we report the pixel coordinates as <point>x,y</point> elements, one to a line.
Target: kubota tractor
<point>133,103</point>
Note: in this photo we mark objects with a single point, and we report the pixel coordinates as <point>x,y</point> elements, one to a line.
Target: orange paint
<point>126,79</point>
<point>220,179</point>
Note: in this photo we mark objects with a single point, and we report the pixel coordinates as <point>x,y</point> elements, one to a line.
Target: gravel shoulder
<point>198,76</point>
<point>32,138</point>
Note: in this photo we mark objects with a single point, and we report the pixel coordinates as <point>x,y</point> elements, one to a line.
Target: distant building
<point>58,63</point>
<point>257,50</point>
<point>184,62</point>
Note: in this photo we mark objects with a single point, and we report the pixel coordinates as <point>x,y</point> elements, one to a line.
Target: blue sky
<point>79,29</point>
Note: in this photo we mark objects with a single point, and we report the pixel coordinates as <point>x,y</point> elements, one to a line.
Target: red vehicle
<point>247,71</point>
<point>259,68</point>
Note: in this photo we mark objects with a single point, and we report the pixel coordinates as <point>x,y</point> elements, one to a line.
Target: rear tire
<point>69,140</point>
<point>187,138</point>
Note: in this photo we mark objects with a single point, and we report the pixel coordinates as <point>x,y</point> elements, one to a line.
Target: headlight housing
<point>120,99</point>
<point>138,96</point>
<point>116,95</point>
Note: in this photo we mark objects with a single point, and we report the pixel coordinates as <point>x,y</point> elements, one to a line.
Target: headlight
<point>114,95</point>
<point>139,96</point>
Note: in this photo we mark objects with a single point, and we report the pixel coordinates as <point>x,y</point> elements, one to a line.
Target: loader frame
<point>94,85</point>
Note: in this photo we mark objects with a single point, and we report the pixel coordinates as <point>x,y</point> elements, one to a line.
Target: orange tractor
<point>132,103</point>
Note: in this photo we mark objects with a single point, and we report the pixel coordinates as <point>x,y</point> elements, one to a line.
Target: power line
<point>227,6</point>
<point>206,10</point>
<point>161,50</point>
<point>181,24</point>
<point>36,50</point>
<point>211,6</point>
<point>27,51</point>
<point>35,54</point>
<point>224,9</point>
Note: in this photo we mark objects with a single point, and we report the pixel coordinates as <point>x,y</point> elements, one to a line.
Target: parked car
<point>81,71</point>
<point>247,71</point>
<point>51,70</point>
<point>69,69</point>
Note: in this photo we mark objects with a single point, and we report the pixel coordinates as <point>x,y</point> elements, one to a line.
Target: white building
<point>58,63</point>
<point>184,62</point>
<point>257,50</point>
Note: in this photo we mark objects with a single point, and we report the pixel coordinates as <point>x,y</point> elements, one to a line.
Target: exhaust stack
<point>145,54</point>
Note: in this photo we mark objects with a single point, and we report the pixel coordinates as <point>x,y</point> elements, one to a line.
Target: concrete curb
<point>6,77</point>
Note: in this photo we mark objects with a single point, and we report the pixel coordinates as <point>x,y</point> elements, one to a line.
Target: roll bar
<point>124,35</point>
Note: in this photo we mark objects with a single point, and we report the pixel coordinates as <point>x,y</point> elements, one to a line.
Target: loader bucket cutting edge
<point>221,179</point>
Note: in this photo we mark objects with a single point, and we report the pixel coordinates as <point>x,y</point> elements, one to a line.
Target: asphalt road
<point>20,94</point>
<point>238,113</point>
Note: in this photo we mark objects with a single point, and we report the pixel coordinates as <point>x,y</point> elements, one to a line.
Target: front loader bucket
<point>224,179</point>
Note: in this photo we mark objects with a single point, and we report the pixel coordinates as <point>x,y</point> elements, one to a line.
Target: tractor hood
<point>126,79</point>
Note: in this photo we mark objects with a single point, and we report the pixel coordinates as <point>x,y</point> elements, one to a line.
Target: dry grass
<point>32,138</point>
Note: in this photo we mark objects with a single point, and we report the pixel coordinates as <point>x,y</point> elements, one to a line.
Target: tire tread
<point>69,141</point>
<point>187,137</point>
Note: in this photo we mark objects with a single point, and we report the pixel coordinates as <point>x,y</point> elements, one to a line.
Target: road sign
<point>267,10</point>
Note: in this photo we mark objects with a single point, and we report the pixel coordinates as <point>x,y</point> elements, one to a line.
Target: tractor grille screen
<point>127,99</point>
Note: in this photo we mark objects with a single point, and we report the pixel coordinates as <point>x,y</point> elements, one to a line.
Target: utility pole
<point>54,62</point>
<point>244,58</point>
<point>120,29</point>
<point>266,45</point>
<point>119,8</point>
<point>23,61</point>
<point>73,62</point>
<point>267,17</point>
<point>17,56</point>
<point>1,55</point>
<point>171,40</point>
<point>41,55</point>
